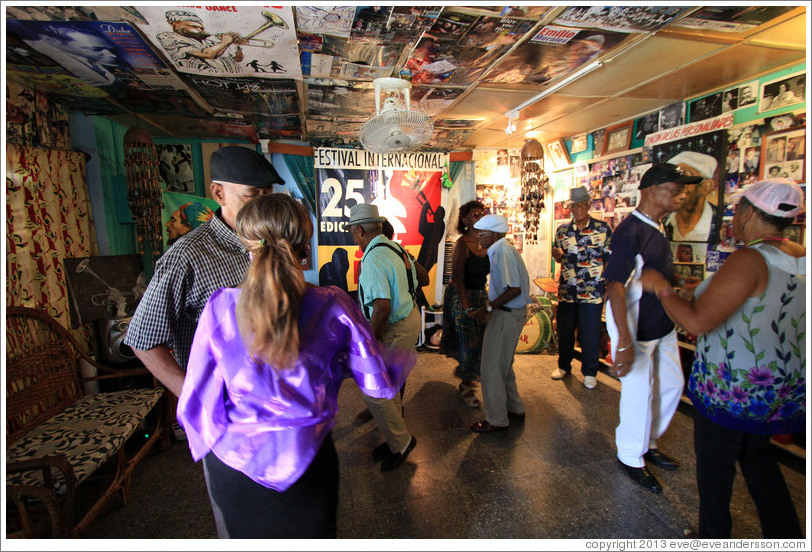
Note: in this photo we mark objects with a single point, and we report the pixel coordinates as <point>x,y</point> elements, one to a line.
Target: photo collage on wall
<point>612,184</point>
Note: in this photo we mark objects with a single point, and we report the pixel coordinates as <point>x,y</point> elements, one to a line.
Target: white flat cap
<point>703,163</point>
<point>493,223</point>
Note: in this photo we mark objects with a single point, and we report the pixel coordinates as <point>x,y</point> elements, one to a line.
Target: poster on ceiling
<point>405,188</point>
<point>226,40</point>
<point>96,59</point>
<point>538,61</point>
<point>627,19</point>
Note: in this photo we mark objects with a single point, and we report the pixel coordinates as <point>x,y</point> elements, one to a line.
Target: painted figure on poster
<point>186,218</point>
<point>695,219</point>
<point>88,56</point>
<point>191,47</point>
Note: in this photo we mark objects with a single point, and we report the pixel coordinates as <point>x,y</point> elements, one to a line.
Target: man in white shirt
<point>508,295</point>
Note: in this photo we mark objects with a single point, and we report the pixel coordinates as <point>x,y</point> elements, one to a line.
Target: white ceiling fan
<point>395,126</point>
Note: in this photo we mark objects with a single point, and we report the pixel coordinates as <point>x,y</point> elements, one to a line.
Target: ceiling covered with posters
<point>304,73</point>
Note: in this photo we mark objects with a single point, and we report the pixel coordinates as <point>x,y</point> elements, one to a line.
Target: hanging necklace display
<point>534,182</point>
<point>144,192</point>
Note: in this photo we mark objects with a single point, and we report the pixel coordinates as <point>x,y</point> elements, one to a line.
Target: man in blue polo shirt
<point>644,342</point>
<point>386,291</point>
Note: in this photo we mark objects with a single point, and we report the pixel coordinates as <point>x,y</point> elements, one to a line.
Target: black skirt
<point>245,509</point>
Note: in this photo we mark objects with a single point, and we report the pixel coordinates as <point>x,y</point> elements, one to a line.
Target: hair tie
<point>262,242</point>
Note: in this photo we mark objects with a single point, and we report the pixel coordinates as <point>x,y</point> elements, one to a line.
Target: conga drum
<point>535,334</point>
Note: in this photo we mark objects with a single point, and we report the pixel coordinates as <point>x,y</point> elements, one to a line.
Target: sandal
<point>468,395</point>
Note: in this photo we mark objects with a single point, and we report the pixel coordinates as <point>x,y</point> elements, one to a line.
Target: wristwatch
<point>488,308</point>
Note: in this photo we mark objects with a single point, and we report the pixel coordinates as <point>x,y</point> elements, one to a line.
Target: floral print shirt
<point>585,253</point>
<point>749,374</point>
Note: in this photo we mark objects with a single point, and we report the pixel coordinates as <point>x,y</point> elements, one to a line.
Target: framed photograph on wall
<point>579,143</point>
<point>783,154</point>
<point>558,153</point>
<point>176,167</point>
<point>783,92</point>
<point>618,138</point>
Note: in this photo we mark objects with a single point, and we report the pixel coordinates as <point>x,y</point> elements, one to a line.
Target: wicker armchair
<point>56,435</point>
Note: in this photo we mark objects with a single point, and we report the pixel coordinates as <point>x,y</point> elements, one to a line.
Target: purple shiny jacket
<point>270,423</point>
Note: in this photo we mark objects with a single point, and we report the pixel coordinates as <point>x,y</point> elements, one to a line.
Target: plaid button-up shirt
<point>204,260</point>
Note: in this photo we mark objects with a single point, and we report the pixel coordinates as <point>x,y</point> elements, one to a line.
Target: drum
<point>536,334</point>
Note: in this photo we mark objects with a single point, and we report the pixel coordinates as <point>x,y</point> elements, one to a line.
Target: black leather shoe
<point>380,452</point>
<point>395,459</point>
<point>643,477</point>
<point>661,460</point>
<point>483,426</point>
<point>518,416</point>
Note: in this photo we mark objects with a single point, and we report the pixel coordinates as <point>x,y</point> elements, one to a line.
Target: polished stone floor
<point>554,476</point>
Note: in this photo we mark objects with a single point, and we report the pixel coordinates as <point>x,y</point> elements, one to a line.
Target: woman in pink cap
<point>748,379</point>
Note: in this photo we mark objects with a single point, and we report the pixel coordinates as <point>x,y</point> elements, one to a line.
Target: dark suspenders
<point>411,277</point>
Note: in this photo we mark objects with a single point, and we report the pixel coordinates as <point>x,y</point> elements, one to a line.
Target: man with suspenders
<point>386,291</point>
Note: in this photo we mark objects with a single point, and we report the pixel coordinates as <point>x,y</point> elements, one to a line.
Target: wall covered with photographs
<point>731,138</point>
<point>499,188</point>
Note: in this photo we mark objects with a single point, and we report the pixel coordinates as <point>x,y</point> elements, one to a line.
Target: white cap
<point>703,163</point>
<point>493,223</point>
<point>778,197</point>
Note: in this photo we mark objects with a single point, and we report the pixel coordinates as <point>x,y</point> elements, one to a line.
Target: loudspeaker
<point>111,343</point>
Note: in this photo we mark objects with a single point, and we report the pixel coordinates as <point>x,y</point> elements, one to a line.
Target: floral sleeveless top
<point>749,373</point>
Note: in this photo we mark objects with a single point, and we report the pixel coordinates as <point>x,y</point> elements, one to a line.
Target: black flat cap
<point>240,165</point>
<point>659,173</point>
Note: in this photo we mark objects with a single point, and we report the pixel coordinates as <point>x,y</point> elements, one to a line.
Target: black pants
<point>586,317</point>
<point>717,451</point>
<point>245,509</point>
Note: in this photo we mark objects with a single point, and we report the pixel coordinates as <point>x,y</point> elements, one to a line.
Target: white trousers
<point>649,396</point>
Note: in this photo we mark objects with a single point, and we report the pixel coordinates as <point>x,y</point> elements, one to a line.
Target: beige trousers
<point>499,392</point>
<point>388,413</point>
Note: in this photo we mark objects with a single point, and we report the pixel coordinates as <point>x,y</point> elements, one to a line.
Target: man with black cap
<point>645,353</point>
<point>582,248</point>
<point>386,291</point>
<point>206,259</point>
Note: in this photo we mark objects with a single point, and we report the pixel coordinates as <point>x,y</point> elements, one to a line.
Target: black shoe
<point>395,459</point>
<point>643,477</point>
<point>518,416</point>
<point>380,452</point>
<point>661,460</point>
<point>363,417</point>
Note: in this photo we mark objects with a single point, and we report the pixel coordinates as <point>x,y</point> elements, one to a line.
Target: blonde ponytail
<point>276,229</point>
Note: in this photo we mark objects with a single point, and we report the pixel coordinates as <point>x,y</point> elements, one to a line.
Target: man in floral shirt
<point>582,247</point>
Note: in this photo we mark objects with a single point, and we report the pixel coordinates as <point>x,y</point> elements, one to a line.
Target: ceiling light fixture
<point>557,86</point>
<point>511,126</point>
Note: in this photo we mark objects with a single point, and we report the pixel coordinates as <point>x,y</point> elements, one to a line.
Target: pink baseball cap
<point>778,197</point>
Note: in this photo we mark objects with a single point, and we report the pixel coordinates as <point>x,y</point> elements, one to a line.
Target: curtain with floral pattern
<point>48,218</point>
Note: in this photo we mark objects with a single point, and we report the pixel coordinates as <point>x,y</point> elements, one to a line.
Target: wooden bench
<point>57,436</point>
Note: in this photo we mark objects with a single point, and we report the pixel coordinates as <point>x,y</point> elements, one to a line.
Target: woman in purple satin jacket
<point>260,395</point>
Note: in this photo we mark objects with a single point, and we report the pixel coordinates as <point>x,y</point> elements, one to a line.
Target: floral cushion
<point>88,432</point>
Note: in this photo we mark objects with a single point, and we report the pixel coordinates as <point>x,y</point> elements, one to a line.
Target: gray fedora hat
<point>364,214</point>
<point>577,195</point>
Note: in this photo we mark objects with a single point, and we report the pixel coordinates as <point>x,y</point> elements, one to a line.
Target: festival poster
<point>405,188</point>
<point>250,41</point>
